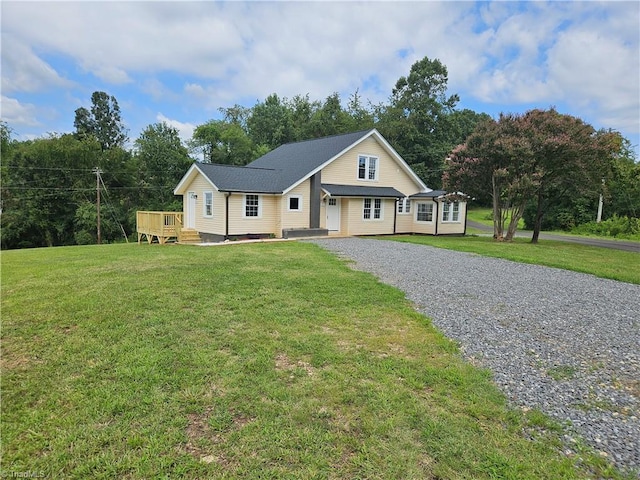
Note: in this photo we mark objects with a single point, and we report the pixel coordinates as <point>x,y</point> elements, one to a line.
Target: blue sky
<point>179,62</point>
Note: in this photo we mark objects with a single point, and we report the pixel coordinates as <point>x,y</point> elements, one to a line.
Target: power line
<point>112,210</point>
<point>97,171</point>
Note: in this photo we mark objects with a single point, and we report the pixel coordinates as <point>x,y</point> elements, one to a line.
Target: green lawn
<point>601,262</point>
<point>269,360</point>
<point>485,217</point>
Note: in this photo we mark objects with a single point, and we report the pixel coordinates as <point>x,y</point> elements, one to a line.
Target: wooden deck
<point>163,227</point>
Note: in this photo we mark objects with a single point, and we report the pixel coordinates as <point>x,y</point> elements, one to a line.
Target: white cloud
<point>112,75</point>
<point>199,56</point>
<point>185,129</point>
<point>17,114</point>
<point>582,55</point>
<point>110,39</point>
<point>599,72</point>
<point>24,71</point>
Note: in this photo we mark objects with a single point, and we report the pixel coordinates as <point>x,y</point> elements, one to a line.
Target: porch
<point>164,227</point>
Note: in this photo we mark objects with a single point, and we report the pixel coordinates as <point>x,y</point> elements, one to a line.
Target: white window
<point>252,206</point>
<point>450,211</point>
<point>372,209</point>
<point>208,204</point>
<point>404,205</point>
<point>294,203</point>
<point>424,212</point>
<point>367,167</point>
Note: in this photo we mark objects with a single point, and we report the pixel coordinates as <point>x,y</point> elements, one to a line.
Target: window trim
<point>244,205</point>
<point>452,210</point>
<point>204,204</point>
<point>300,205</point>
<point>367,168</point>
<point>429,211</point>
<point>404,206</point>
<point>372,209</point>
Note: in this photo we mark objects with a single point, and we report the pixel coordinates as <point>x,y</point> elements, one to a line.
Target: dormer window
<point>367,167</point>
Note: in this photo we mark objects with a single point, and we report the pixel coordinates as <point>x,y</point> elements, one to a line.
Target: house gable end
<point>387,168</point>
<point>385,146</point>
<point>188,178</point>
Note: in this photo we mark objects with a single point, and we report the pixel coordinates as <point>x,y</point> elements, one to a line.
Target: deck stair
<point>189,236</point>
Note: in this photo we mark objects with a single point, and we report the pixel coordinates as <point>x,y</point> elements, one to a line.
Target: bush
<point>562,216</point>
<point>617,227</point>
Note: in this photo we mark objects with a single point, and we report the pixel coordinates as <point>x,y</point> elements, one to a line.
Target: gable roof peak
<point>328,137</point>
<point>226,165</point>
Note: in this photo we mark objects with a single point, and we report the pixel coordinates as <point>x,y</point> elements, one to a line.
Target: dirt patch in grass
<point>15,362</point>
<point>284,363</point>
<point>203,440</point>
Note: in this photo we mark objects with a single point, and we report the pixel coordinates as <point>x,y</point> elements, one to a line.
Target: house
<point>351,184</point>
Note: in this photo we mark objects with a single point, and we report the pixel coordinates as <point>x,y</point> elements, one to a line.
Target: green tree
<point>220,141</point>
<point>570,156</point>
<point>162,160</point>
<point>537,157</point>
<point>103,121</point>
<point>5,138</point>
<point>330,118</point>
<point>416,120</point>
<point>622,187</point>
<point>237,115</point>
<point>496,159</point>
<point>361,117</point>
<point>270,123</point>
<point>44,181</point>
<point>302,111</point>
<point>462,123</point>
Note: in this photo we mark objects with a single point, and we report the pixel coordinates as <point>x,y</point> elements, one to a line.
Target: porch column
<point>315,191</point>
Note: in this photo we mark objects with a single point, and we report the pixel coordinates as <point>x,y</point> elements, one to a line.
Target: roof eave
<point>188,177</point>
<point>319,168</point>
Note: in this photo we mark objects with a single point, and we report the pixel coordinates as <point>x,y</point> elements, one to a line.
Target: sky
<point>180,62</point>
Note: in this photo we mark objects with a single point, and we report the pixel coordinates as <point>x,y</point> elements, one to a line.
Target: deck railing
<point>162,225</point>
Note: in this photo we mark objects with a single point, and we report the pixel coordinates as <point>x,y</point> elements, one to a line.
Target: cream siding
<point>293,219</point>
<point>404,222</point>
<point>275,215</point>
<point>345,205</point>
<point>215,224</point>
<point>357,225</point>
<point>445,228</point>
<point>344,169</point>
<point>424,227</point>
<point>266,223</point>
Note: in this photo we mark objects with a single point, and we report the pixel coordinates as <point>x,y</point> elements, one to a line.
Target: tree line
<point>549,168</point>
<point>49,184</point>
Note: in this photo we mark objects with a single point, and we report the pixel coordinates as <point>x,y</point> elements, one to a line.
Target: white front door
<point>190,220</point>
<point>333,214</point>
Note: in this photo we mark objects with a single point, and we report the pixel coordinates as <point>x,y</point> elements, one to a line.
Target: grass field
<point>485,216</point>
<point>269,360</point>
<point>601,262</point>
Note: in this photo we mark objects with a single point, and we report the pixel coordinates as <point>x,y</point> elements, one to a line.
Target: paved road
<point>626,245</point>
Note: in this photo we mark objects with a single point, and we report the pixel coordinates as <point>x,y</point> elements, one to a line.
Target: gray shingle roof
<point>361,191</point>
<point>230,178</point>
<point>289,164</point>
<point>431,194</point>
<point>295,161</point>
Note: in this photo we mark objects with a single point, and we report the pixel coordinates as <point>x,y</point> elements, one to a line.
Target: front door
<point>333,215</point>
<point>190,220</point>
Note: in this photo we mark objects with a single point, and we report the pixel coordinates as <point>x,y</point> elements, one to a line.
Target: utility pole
<point>97,171</point>
<point>600,202</point>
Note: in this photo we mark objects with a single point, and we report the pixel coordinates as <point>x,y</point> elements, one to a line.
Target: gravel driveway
<point>563,342</point>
